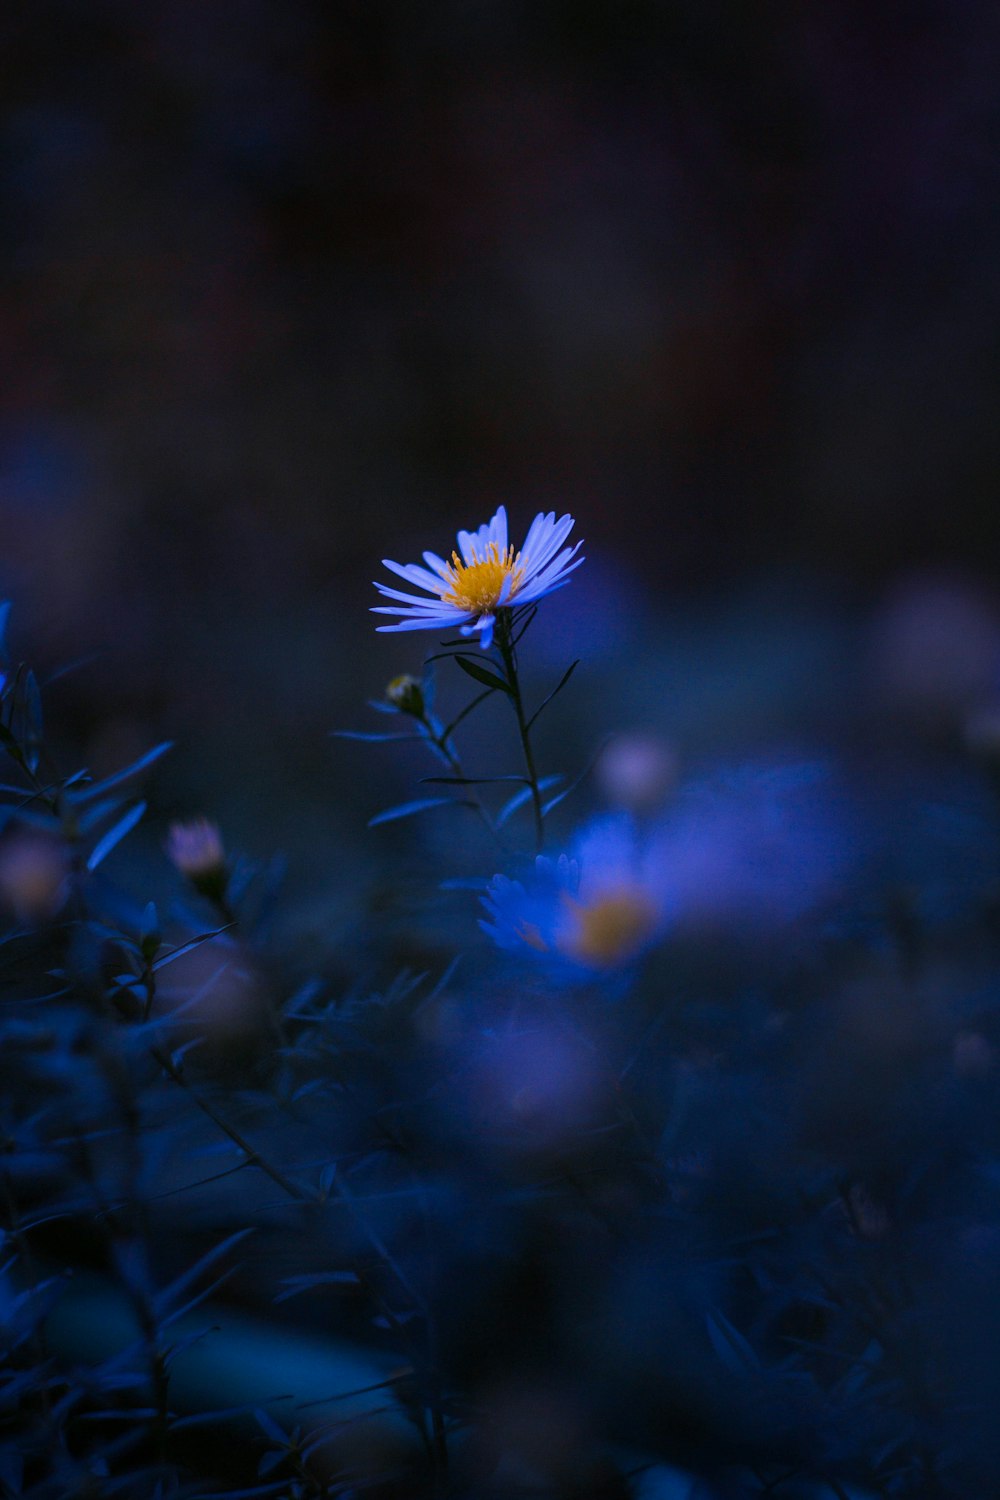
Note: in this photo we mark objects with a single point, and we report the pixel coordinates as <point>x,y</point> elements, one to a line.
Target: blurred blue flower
<point>487,576</point>
<point>755,847</point>
<point>593,911</point>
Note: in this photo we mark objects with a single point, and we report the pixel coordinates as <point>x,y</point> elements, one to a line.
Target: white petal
<point>413,573</point>
<point>536,531</point>
<point>498,529</point>
<point>547,546</point>
<point>547,582</point>
<point>427,623</point>
<point>389,593</point>
<point>543,575</point>
<point>435,611</point>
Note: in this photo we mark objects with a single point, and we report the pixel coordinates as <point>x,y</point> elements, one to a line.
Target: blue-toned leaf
<point>369,737</point>
<point>170,1295</point>
<point>295,1285</point>
<point>72,666</point>
<point>407,809</point>
<point>524,795</point>
<point>734,1351</point>
<point>96,814</point>
<point>115,834</point>
<point>567,791</point>
<point>269,1426</point>
<point>196,942</point>
<point>98,788</point>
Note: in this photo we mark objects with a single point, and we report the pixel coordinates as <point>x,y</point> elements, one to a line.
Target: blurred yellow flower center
<point>476,586</point>
<point>608,929</point>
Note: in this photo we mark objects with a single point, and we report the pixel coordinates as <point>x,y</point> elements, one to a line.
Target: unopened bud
<point>637,771</point>
<point>406,694</point>
<point>197,850</point>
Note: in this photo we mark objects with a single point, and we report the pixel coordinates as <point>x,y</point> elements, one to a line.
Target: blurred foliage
<point>307,1188</point>
<point>711,1209</point>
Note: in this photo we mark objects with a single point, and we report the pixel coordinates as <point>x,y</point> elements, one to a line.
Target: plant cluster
<point>682,1177</point>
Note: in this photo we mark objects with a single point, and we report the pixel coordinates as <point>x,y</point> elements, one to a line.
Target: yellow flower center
<point>608,930</point>
<point>475,587</point>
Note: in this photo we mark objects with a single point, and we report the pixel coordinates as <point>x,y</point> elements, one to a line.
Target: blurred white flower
<point>196,848</point>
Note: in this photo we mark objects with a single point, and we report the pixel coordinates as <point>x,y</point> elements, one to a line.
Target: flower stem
<point>505,645</point>
<point>441,742</point>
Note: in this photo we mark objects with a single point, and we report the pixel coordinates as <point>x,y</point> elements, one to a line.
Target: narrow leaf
<point>732,1348</point>
<point>482,674</point>
<point>523,796</point>
<point>170,1295</point>
<point>567,791</point>
<point>556,690</point>
<point>196,942</point>
<point>369,737</point>
<point>467,780</point>
<point>466,711</point>
<point>531,611</point>
<point>98,788</point>
<point>405,809</point>
<point>115,834</point>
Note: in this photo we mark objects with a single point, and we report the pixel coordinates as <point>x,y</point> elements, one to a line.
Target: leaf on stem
<point>182,948</point>
<point>469,780</point>
<point>738,1356</point>
<point>406,810</point>
<point>98,788</point>
<point>370,737</point>
<point>561,796</point>
<point>115,834</point>
<point>482,674</point>
<point>523,796</point>
<point>531,612</point>
<point>446,734</point>
<point>555,691</point>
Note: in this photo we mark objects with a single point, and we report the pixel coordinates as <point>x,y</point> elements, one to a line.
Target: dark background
<point>290,287</point>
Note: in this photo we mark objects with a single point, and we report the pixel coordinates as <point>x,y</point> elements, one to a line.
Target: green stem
<point>505,646</point>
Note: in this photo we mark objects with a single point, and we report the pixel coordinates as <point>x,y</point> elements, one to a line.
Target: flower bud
<point>406,694</point>
<point>636,772</point>
<point>196,849</point>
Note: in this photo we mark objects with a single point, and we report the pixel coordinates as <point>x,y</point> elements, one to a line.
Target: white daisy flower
<point>484,575</point>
